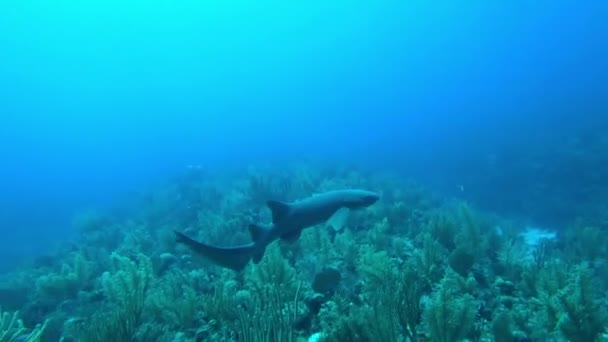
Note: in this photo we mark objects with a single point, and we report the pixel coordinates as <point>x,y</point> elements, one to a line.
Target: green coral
<point>430,260</point>
<point>393,292</point>
<point>509,259</point>
<point>470,244</point>
<point>262,308</point>
<point>343,321</point>
<point>175,301</point>
<point>13,330</point>
<point>379,235</point>
<point>66,283</point>
<point>410,266</point>
<point>274,305</point>
<point>442,226</point>
<point>502,327</point>
<point>221,307</point>
<point>129,284</point>
<point>569,304</point>
<point>462,260</point>
<point>126,289</point>
<point>586,243</point>
<point>450,313</point>
<point>583,316</point>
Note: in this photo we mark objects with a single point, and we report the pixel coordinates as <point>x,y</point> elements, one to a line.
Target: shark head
<point>357,199</point>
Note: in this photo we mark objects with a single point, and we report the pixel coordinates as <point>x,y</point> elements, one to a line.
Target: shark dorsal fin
<point>256,232</point>
<point>279,209</point>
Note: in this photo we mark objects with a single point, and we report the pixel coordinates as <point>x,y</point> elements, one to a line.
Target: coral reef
<point>13,330</point>
<point>414,267</point>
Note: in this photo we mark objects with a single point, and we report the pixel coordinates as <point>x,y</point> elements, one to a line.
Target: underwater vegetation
<point>575,159</point>
<point>412,267</point>
<point>12,329</point>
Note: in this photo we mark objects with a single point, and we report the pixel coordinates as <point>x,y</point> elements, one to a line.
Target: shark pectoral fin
<point>235,258</point>
<point>338,220</point>
<point>291,237</point>
<point>278,209</point>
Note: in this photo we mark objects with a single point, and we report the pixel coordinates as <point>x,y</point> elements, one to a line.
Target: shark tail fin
<point>257,232</point>
<point>257,257</point>
<point>278,209</point>
<point>235,258</point>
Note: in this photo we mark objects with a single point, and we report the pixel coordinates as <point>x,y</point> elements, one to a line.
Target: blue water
<point>100,99</point>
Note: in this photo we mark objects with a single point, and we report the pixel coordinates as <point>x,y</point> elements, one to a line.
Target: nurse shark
<point>288,221</point>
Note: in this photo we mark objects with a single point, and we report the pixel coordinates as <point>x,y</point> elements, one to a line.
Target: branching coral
<point>510,259</point>
<point>343,321</point>
<point>450,313</point>
<point>470,244</point>
<point>394,292</point>
<point>126,289</point>
<point>458,229</point>
<point>174,300</point>
<point>392,289</point>
<point>270,318</point>
<point>269,314</point>
<point>586,243</point>
<point>66,283</point>
<point>221,307</point>
<point>430,260</point>
<point>264,308</point>
<point>569,304</point>
<point>583,316</point>
<point>129,284</point>
<point>442,227</point>
<point>264,186</point>
<point>13,330</point>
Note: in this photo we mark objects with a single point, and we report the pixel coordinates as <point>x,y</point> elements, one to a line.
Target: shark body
<point>288,221</point>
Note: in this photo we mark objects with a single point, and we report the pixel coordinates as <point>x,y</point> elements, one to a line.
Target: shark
<point>289,219</point>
